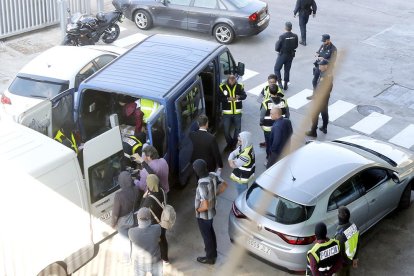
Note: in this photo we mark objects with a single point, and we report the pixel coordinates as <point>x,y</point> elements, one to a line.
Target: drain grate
<point>368,109</point>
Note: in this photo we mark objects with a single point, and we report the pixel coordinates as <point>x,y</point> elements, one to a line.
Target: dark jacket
<point>305,6</point>
<point>205,147</point>
<point>287,44</point>
<point>280,135</point>
<point>152,204</point>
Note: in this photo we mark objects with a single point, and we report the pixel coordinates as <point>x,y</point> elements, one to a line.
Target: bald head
<point>275,113</point>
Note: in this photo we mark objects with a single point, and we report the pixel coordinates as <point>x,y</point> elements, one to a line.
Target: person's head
<point>326,39</point>
<point>273,89</point>
<point>202,121</point>
<point>275,113</point>
<point>323,65</point>
<point>125,180</point>
<point>320,231</point>
<point>245,139</point>
<point>150,152</point>
<point>272,79</point>
<point>231,79</point>
<point>288,26</point>
<point>144,217</point>
<point>343,215</point>
<point>153,183</point>
<point>200,168</point>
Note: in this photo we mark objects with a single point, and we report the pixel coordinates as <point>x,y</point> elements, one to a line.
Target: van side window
<point>226,65</point>
<point>103,176</point>
<point>190,106</point>
<point>344,194</point>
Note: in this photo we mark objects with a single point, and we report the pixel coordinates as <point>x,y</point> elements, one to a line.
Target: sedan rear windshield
<point>277,208</point>
<point>28,87</point>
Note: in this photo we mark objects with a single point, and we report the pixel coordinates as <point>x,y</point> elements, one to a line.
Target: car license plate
<point>263,21</point>
<point>259,246</point>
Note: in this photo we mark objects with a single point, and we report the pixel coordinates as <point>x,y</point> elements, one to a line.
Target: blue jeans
<point>228,120</point>
<point>209,237</point>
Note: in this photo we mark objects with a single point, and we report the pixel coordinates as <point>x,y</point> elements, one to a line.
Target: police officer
<point>286,47</point>
<point>231,96</point>
<point>304,8</point>
<point>347,234</point>
<point>327,51</point>
<point>148,107</point>
<point>322,93</point>
<point>132,144</point>
<point>266,122</point>
<point>65,140</point>
<point>324,257</point>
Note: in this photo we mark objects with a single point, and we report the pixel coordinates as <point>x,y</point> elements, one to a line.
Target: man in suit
<point>205,146</point>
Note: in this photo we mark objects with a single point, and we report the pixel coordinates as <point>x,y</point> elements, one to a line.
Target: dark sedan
<point>225,19</point>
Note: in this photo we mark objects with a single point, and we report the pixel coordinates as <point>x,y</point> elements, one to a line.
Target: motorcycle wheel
<point>68,41</point>
<point>111,34</point>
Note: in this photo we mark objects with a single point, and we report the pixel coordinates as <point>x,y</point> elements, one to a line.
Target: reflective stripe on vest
<point>148,107</point>
<point>325,254</point>
<point>244,173</point>
<point>60,136</point>
<point>266,92</point>
<point>135,143</point>
<point>352,235</point>
<point>268,105</point>
<point>231,107</point>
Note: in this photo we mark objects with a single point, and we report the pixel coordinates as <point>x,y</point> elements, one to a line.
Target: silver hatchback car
<point>275,218</point>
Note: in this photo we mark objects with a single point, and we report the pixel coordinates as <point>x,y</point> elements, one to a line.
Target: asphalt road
<point>375,40</point>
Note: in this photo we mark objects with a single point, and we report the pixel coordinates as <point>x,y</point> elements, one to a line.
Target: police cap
<point>325,37</point>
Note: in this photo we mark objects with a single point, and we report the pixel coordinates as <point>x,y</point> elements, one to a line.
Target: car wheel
<point>111,34</point>
<point>405,200</point>
<point>143,20</point>
<point>223,33</point>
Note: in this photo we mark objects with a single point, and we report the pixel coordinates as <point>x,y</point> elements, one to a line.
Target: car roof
<point>306,173</point>
<point>63,62</point>
<point>153,67</point>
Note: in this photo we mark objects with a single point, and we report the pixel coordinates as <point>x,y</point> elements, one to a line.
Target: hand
<point>137,158</point>
<point>355,263</point>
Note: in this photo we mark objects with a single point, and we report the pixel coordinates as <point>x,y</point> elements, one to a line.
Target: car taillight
<point>292,239</point>
<point>237,212</point>
<point>253,17</point>
<point>5,99</point>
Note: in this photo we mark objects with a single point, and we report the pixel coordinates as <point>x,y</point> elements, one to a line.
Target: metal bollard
<point>62,7</point>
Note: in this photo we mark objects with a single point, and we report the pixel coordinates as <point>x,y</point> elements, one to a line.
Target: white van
<point>52,218</point>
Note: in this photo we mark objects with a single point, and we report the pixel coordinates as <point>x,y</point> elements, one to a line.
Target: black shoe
<point>302,43</point>
<point>323,129</point>
<point>205,260</point>
<point>285,87</point>
<point>309,97</point>
<point>262,144</point>
<point>311,133</point>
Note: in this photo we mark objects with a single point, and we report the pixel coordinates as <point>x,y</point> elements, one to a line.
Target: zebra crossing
<point>338,109</point>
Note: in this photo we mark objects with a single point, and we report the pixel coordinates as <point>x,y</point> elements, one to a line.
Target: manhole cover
<point>368,109</point>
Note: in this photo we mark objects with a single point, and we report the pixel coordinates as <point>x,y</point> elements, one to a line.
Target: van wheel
<point>53,270</point>
<point>223,33</point>
<point>405,200</point>
<point>143,20</point>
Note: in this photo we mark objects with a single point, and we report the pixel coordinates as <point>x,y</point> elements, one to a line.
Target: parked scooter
<point>85,29</point>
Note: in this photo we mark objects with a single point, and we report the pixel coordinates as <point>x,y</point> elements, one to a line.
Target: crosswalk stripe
<point>338,109</point>
<point>129,40</point>
<point>249,74</point>
<point>256,90</point>
<point>298,100</point>
<point>405,137</point>
<point>371,123</point>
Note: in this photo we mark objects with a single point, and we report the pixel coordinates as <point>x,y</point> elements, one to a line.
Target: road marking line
<point>338,109</point>
<point>405,137</point>
<point>249,74</point>
<point>122,28</point>
<point>256,90</point>
<point>129,40</point>
<point>371,123</point>
<point>298,100</point>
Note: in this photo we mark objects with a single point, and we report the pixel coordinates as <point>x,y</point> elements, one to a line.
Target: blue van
<point>181,74</point>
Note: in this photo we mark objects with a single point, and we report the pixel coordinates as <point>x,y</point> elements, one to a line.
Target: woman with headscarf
<point>154,190</point>
<point>242,160</point>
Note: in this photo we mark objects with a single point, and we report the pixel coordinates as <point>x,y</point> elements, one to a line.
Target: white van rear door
<point>102,158</point>
<point>38,118</point>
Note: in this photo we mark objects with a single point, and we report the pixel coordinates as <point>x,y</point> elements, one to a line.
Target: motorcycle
<point>85,29</point>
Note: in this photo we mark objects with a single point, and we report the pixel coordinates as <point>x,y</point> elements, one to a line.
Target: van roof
<point>153,67</point>
<point>30,151</point>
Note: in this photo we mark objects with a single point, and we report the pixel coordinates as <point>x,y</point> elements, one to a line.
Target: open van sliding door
<point>157,133</point>
<point>188,107</point>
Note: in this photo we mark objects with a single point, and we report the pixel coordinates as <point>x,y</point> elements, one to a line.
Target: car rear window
<point>28,87</point>
<point>275,207</point>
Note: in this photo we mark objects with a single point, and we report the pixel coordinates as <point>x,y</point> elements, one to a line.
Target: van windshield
<point>276,208</point>
<point>30,87</point>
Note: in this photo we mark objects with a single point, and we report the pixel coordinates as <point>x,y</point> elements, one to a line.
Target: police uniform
<point>304,8</point>
<point>148,107</point>
<point>348,235</point>
<point>243,174</point>
<point>328,52</point>
<point>325,254</point>
<point>231,109</point>
<point>69,142</point>
<point>131,145</point>
<point>286,47</point>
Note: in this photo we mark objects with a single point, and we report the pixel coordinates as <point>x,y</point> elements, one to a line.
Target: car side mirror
<point>240,68</point>
<point>395,177</point>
